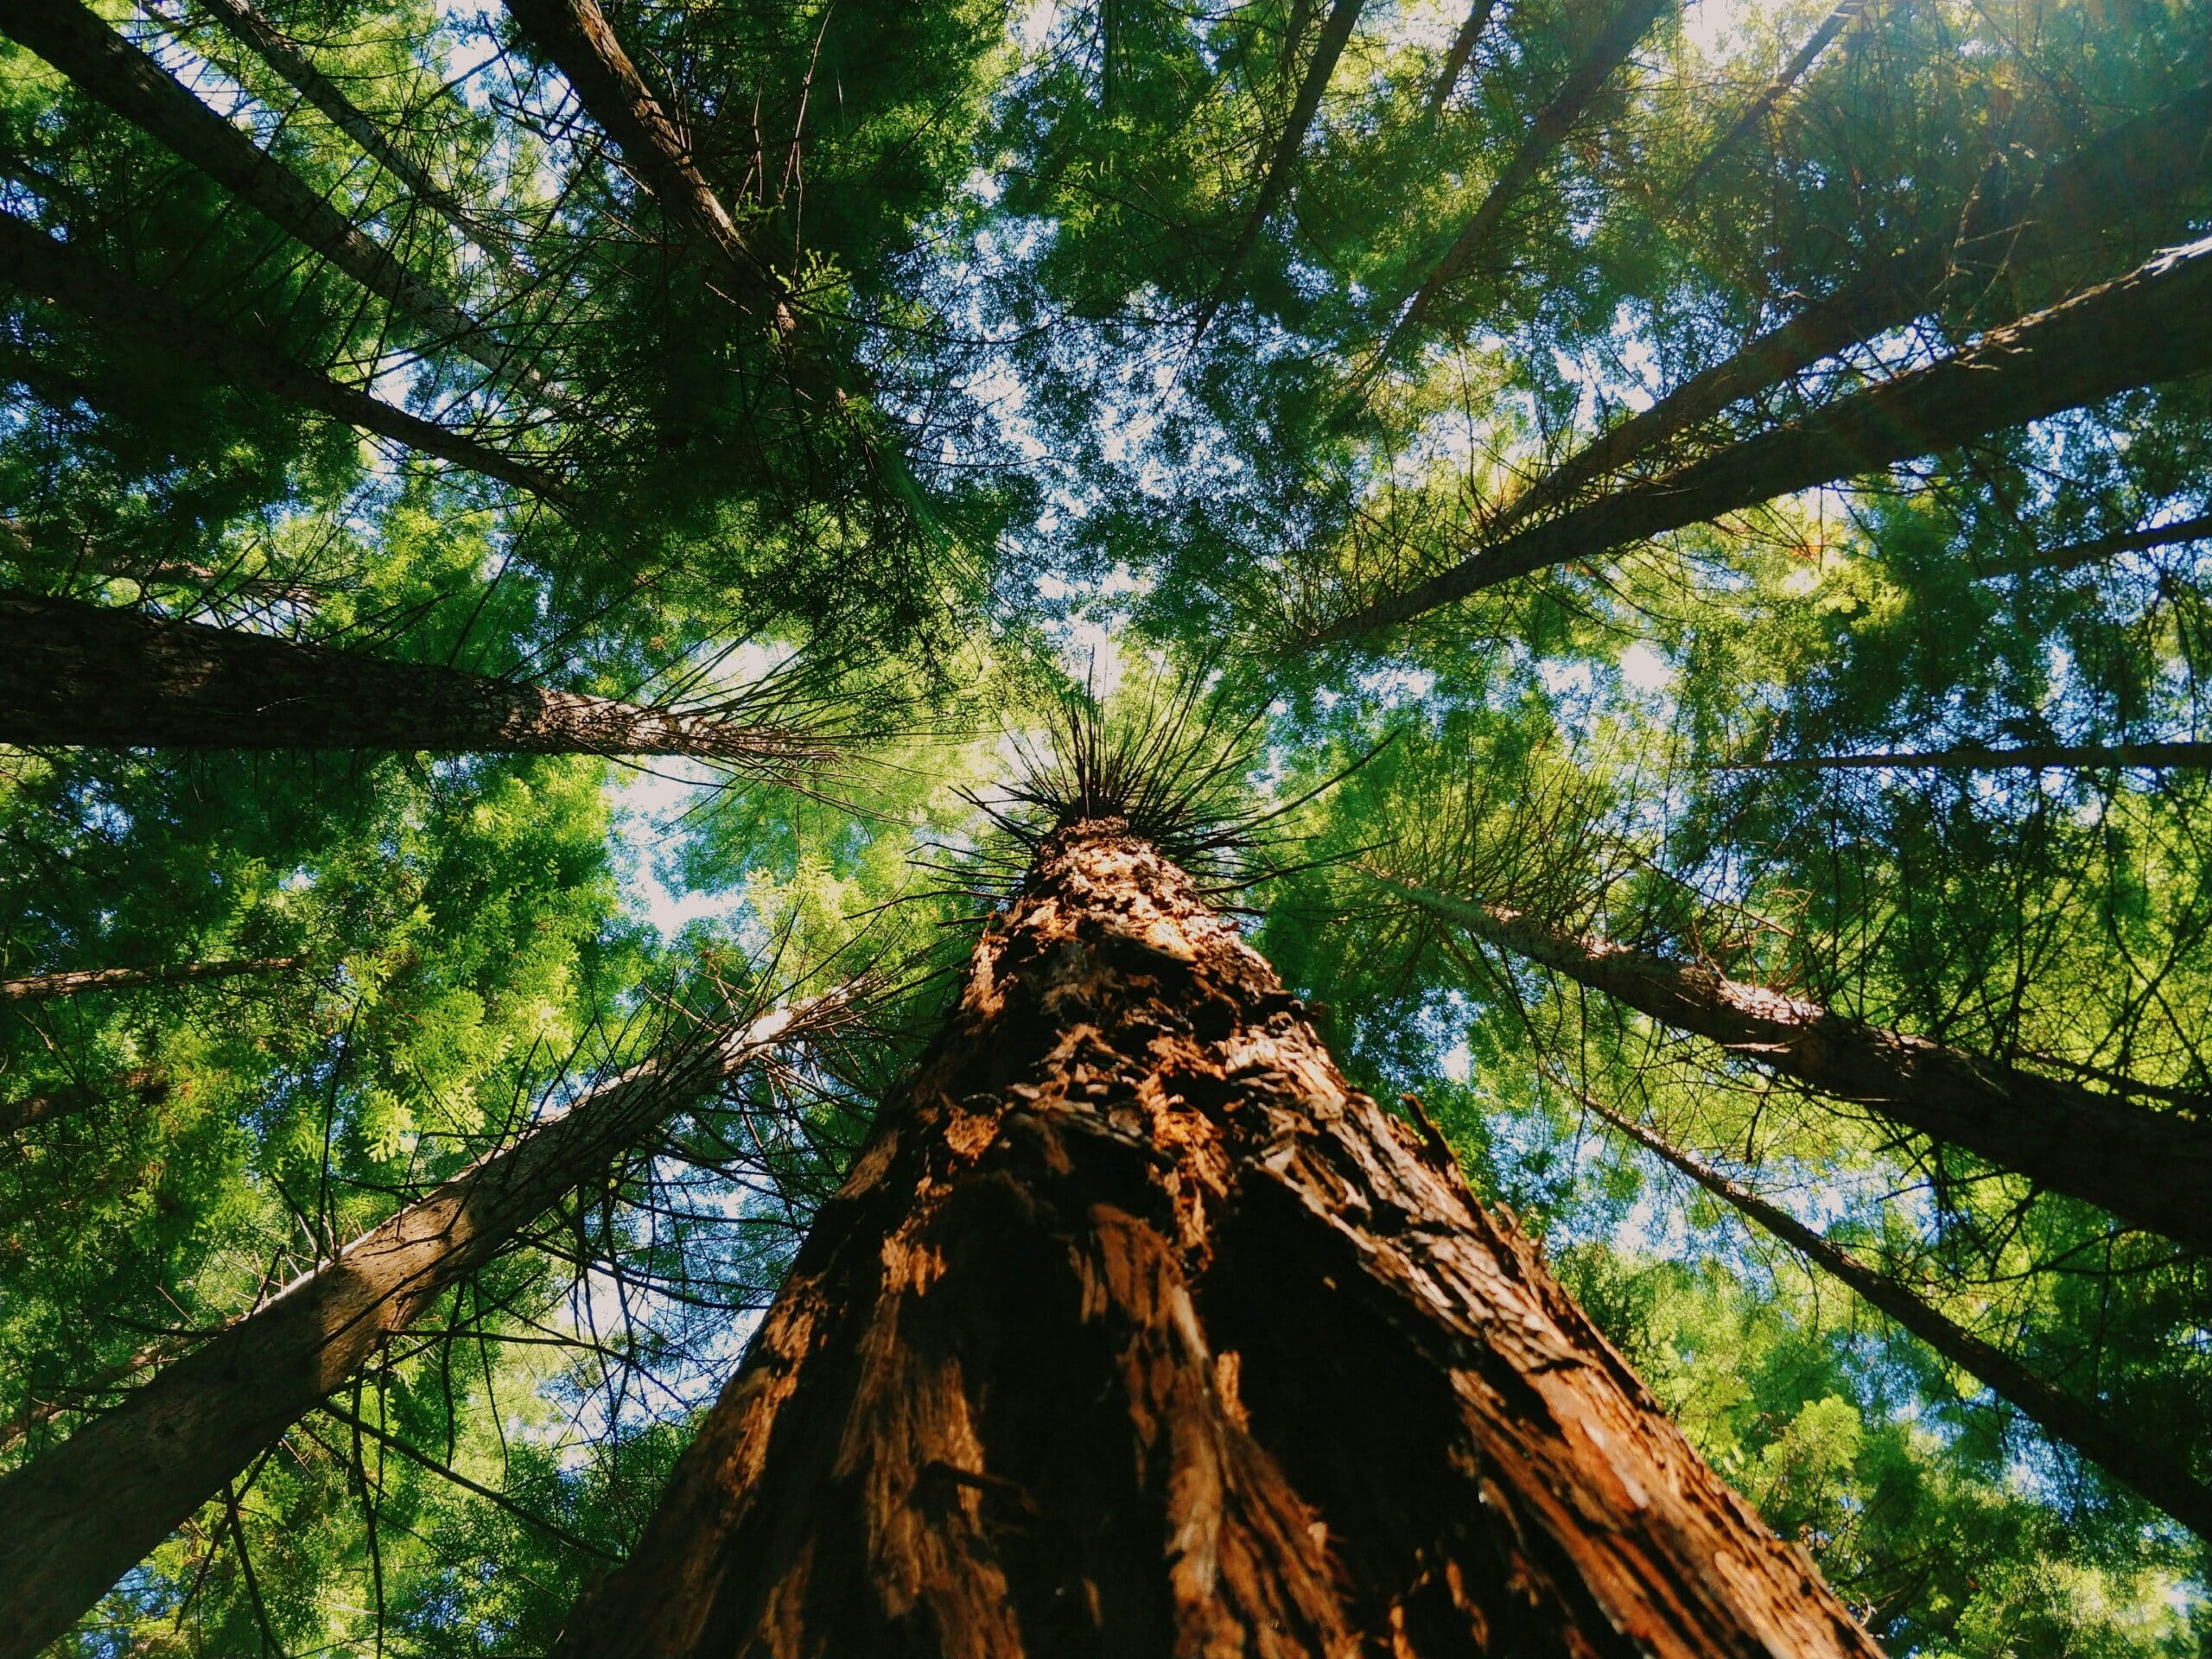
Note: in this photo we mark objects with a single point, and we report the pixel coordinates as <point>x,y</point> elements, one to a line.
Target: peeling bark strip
<point>2151,1169</point>
<point>1134,1330</point>
<point>2093,1429</point>
<point>21,1113</point>
<point>105,67</point>
<point>2152,325</point>
<point>80,1515</point>
<point>40,988</point>
<point>72,674</point>
<point>73,281</point>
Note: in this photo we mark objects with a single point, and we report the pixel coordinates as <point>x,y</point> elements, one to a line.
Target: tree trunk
<point>1336,32</point>
<point>2154,324</point>
<point>2090,1428</point>
<point>42,988</point>
<point>72,674</point>
<point>82,1514</point>
<point>2151,1169</point>
<point>1461,53</point>
<point>1831,26</point>
<point>1546,134</point>
<point>2143,166</point>
<point>2100,548</point>
<point>1136,1331</point>
<point>149,569</point>
<point>75,280</point>
<point>74,40</point>
<point>1976,757</point>
<point>21,1113</point>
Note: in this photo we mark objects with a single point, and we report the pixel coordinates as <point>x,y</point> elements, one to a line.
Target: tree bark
<point>42,988</point>
<point>2100,548</point>
<point>74,40</point>
<point>21,1113</point>
<point>1976,757</point>
<point>79,1515</point>
<point>1546,134</point>
<point>2154,324</point>
<point>2151,1169</point>
<point>75,280</point>
<point>1136,1331</point>
<point>2140,166</point>
<point>77,674</point>
<point>1461,53</point>
<point>1336,32</point>
<point>1802,60</point>
<point>2091,1428</point>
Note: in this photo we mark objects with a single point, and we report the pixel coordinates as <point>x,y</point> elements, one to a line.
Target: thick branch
<point>2100,1435</point>
<point>42,988</point>
<point>2100,547</point>
<point>1461,53</point>
<point>2151,1169</point>
<point>148,1082</point>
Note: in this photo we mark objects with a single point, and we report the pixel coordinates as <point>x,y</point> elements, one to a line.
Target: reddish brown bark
<point>73,281</point>
<point>2150,1168</point>
<point>40,988</point>
<point>2104,1438</point>
<point>81,1514</point>
<point>71,1097</point>
<point>2154,324</point>
<point>72,674</point>
<point>1137,1330</point>
<point>74,40</point>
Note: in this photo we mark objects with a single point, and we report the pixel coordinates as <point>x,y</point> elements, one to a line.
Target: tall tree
<point>1127,1169</point>
<point>40,987</point>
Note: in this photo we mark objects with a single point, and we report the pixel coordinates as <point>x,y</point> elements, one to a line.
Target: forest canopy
<point>564,562</point>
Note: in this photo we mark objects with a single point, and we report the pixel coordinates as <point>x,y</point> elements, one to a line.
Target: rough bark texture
<point>81,1514</point>
<point>26,1109</point>
<point>2033,756</point>
<point>2152,325</point>
<point>86,675</point>
<point>1134,1330</point>
<point>40,988</point>
<point>74,40</point>
<point>2138,169</point>
<point>2151,1169</point>
<point>2095,1430</point>
<point>75,282</point>
<point>1336,31</point>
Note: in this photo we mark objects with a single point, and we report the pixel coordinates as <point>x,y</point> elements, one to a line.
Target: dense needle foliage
<point>1073,388</point>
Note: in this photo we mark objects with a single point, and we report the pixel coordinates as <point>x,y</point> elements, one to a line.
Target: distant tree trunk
<point>43,987</point>
<point>1136,1331</point>
<point>77,674</point>
<point>1461,53</point>
<point>1336,32</point>
<point>1546,134</point>
<point>76,40</point>
<point>2100,548</point>
<point>2112,1443</point>
<point>2152,325</point>
<point>75,280</point>
<point>298,71</point>
<point>2151,1169</point>
<point>149,1082</point>
<point>1819,42</point>
<point>1975,757</point>
<point>151,570</point>
<point>2141,167</point>
<point>79,1515</point>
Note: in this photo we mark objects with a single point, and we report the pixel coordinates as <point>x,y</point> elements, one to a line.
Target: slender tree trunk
<point>1460,54</point>
<point>1975,757</point>
<point>1546,134</point>
<point>149,569</point>
<point>298,71</point>
<point>72,674</point>
<point>1336,32</point>
<point>82,1514</point>
<point>1136,1331</point>
<point>1831,26</point>
<point>2142,166</point>
<point>74,40</point>
<point>43,987</point>
<point>2152,325</point>
<point>2151,1169</point>
<point>75,280</point>
<point>2100,548</point>
<point>2091,1428</point>
<point>149,1082</point>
